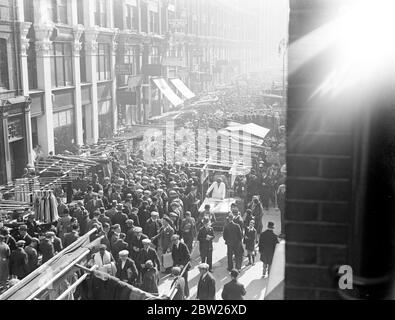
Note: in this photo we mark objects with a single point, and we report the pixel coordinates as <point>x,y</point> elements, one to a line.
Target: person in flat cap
<point>19,260</point>
<point>146,254</point>
<point>31,225</point>
<point>23,235</point>
<point>205,238</point>
<point>181,258</point>
<point>206,285</point>
<point>126,268</point>
<point>32,254</point>
<point>153,226</point>
<point>136,243</point>
<point>104,260</point>
<point>150,278</point>
<point>120,218</point>
<point>233,290</point>
<point>268,241</point>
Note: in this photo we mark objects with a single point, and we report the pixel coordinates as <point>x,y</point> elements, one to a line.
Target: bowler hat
<point>270,225</point>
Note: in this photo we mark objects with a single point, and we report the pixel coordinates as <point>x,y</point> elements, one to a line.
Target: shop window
<point>128,55</point>
<point>58,11</point>
<point>101,13</point>
<point>4,80</point>
<point>61,65</point>
<point>103,62</point>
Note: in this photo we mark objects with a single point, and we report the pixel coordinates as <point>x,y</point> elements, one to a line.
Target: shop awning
<point>185,91</point>
<point>164,87</point>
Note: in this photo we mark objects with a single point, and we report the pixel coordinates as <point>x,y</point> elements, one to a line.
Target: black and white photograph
<point>197,150</point>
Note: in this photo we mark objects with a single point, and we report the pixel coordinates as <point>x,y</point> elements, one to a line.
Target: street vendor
<point>218,189</point>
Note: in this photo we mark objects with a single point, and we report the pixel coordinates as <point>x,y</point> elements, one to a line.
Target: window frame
<point>4,76</point>
<point>105,62</point>
<point>62,59</point>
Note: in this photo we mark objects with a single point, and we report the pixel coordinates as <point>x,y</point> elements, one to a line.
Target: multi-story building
<point>74,71</point>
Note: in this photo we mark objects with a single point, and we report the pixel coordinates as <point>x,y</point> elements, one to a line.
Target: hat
<point>234,273</point>
<point>103,246</point>
<point>20,243</point>
<point>50,234</point>
<point>176,271</point>
<point>119,206</point>
<point>23,227</point>
<point>175,237</point>
<point>154,213</point>
<point>203,266</point>
<point>114,202</point>
<point>270,225</point>
<point>146,241</point>
<point>173,215</point>
<point>206,220</point>
<point>129,221</point>
<point>166,218</point>
<point>124,253</point>
<point>138,229</point>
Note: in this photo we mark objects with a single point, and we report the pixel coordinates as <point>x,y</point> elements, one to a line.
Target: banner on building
<point>174,62</point>
<point>123,69</point>
<point>134,81</point>
<point>152,70</point>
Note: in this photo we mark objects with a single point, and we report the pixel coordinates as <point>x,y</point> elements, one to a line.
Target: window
<point>32,65</point>
<point>132,19</point>
<point>101,13</point>
<point>144,17</point>
<point>154,22</point>
<point>61,65</point>
<point>4,81</point>
<point>28,10</point>
<point>154,57</point>
<point>128,55</point>
<point>58,11</point>
<point>80,12</point>
<point>63,118</point>
<point>103,62</point>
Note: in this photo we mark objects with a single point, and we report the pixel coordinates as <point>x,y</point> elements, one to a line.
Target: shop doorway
<point>18,158</point>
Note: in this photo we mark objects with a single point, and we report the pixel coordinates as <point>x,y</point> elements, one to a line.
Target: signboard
<point>174,62</point>
<point>177,23</point>
<point>123,69</point>
<point>153,70</point>
<point>126,98</point>
<point>134,81</point>
<point>15,129</point>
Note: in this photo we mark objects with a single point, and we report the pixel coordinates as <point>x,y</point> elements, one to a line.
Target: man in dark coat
<point>32,255</point>
<point>205,238</point>
<point>206,284</point>
<point>267,244</point>
<point>126,268</point>
<point>23,235</point>
<point>120,218</point>
<point>233,290</point>
<point>19,260</point>
<point>148,253</point>
<point>153,226</point>
<point>71,237</point>
<point>136,243</point>
<point>234,240</point>
<point>119,245</point>
<point>181,257</point>
<point>46,248</point>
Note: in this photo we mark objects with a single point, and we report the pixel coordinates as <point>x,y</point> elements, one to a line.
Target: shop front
<point>14,148</point>
<point>105,110</point>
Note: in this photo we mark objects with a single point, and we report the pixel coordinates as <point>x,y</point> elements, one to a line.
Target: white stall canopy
<point>164,87</point>
<point>185,91</point>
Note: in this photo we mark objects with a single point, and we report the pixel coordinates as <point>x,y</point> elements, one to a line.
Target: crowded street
<point>146,158</point>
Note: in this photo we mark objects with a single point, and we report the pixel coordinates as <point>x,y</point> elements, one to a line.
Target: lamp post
<point>283,48</point>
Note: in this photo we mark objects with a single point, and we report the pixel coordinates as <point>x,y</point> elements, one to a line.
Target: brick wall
<point>319,163</point>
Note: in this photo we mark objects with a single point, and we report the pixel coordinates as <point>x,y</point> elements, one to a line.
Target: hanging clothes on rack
<point>48,208</point>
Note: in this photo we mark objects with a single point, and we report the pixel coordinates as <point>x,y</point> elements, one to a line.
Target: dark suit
<point>234,240</point>
<point>145,255</point>
<point>57,244</point>
<point>206,246</point>
<point>27,238</point>
<point>47,250</point>
<point>32,258</point>
<point>69,238</point>
<point>233,290</point>
<point>19,263</point>
<point>181,257</point>
<point>206,288</point>
<point>117,247</point>
<point>267,244</point>
<point>120,218</point>
<point>122,273</point>
<point>138,243</point>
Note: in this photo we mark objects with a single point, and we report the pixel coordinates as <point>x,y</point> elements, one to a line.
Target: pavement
<point>250,276</point>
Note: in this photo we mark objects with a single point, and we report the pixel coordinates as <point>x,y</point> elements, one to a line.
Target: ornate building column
<point>77,46</point>
<point>24,28</point>
<point>91,51</point>
<point>114,48</point>
<point>44,51</point>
